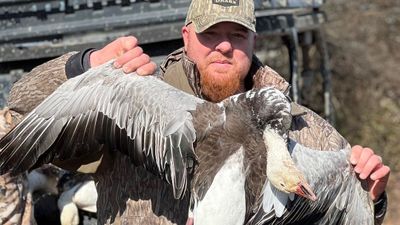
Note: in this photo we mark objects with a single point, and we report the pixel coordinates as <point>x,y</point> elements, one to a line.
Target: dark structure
<point>32,32</point>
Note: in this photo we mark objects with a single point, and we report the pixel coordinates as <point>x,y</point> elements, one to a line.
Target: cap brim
<point>199,29</point>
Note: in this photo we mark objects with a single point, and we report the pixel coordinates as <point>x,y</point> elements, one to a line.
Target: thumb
<point>376,189</point>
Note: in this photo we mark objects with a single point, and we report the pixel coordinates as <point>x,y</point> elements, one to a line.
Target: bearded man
<point>216,61</point>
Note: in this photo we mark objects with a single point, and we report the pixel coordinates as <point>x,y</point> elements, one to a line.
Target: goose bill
<point>304,190</point>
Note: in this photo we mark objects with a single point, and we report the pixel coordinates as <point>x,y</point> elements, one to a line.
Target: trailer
<point>32,32</point>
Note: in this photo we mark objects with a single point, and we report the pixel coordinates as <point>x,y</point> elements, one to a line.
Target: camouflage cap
<point>205,13</point>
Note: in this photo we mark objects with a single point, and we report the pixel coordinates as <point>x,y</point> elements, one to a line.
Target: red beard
<point>217,87</point>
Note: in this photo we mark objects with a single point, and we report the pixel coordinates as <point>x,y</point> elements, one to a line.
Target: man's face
<point>223,55</point>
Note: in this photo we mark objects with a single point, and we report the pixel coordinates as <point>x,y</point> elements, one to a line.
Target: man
<point>216,61</point>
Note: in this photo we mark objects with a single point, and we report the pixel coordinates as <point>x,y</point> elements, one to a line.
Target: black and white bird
<point>228,155</point>
<point>77,193</point>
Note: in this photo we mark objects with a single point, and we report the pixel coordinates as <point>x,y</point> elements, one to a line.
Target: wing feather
<point>142,117</point>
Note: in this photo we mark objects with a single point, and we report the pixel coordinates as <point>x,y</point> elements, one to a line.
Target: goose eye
<point>282,184</point>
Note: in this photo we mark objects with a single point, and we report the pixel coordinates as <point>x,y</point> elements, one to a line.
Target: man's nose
<point>224,46</point>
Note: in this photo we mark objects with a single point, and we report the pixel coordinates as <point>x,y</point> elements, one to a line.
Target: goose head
<point>44,179</point>
<point>271,110</point>
<point>70,179</point>
<point>288,179</point>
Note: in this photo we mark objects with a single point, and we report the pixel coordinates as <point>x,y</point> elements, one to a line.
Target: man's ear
<point>185,36</point>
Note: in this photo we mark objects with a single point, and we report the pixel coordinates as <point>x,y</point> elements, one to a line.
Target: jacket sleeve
<point>34,87</point>
<point>14,190</point>
<point>15,195</point>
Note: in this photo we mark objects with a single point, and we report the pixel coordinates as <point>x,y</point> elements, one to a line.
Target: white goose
<point>223,147</point>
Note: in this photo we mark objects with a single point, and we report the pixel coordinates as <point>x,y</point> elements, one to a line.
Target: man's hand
<point>129,56</point>
<point>369,166</point>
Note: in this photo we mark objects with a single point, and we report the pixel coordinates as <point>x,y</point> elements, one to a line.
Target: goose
<point>21,193</point>
<point>44,179</point>
<point>77,192</point>
<point>226,154</point>
<point>42,186</point>
<point>342,198</point>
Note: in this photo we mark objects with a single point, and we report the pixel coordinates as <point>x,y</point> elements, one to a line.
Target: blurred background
<point>363,40</point>
<point>364,44</point>
<point>342,57</point>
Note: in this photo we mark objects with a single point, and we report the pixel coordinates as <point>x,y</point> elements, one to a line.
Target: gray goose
<point>192,144</point>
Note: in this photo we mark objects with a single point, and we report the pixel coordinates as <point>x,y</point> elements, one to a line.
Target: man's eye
<point>240,35</point>
<point>209,33</point>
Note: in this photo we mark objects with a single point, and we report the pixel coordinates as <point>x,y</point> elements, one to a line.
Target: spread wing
<point>341,197</point>
<point>142,117</point>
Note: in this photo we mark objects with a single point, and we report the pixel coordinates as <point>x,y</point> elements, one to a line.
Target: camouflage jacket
<point>15,200</point>
<point>125,193</point>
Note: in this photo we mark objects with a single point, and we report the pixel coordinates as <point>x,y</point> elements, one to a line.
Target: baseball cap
<point>205,13</point>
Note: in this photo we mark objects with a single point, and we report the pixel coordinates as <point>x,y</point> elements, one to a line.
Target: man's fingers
<point>373,164</point>
<point>121,45</point>
<point>364,157</point>
<point>112,50</point>
<point>128,56</point>
<point>128,43</point>
<point>380,179</point>
<point>355,154</point>
<point>380,173</point>
<point>147,69</point>
<point>135,63</point>
<point>369,166</point>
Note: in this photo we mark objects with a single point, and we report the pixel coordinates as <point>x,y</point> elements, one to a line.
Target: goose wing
<point>341,196</point>
<point>142,117</point>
